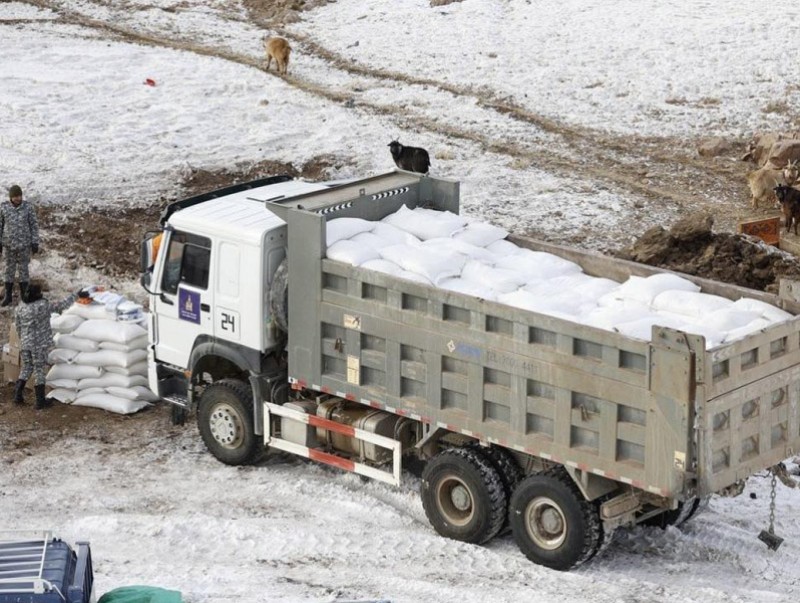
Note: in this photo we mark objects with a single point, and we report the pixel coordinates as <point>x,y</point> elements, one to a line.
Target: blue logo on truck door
<point>189,305</point>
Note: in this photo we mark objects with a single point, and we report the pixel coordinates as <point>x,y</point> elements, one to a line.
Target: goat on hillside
<point>278,49</point>
<point>762,184</point>
<point>789,198</point>
<point>791,172</point>
<point>411,159</point>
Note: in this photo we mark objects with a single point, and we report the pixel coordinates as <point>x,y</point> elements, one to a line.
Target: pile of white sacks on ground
<point>453,252</point>
<point>99,356</point>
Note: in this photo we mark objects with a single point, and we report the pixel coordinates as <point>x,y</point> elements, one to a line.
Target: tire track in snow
<point>616,161</point>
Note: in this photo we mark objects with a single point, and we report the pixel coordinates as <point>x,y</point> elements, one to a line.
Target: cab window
<point>188,261</point>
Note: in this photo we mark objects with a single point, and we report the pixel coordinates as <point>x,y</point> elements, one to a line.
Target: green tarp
<point>141,594</point>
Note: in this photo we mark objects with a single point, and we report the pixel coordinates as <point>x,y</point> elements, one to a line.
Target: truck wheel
<point>674,517</point>
<point>225,420</point>
<point>552,523</point>
<point>508,469</point>
<point>463,496</point>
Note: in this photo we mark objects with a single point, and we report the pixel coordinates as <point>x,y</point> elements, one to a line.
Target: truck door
<point>183,308</point>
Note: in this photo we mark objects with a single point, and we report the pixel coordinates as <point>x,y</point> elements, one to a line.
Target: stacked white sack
<point>100,355</point>
<point>451,252</point>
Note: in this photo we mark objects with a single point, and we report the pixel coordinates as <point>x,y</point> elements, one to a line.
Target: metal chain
<point>772,495</point>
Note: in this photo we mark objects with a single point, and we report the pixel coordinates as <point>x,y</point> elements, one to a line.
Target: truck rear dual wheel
<point>552,523</point>
<point>507,468</point>
<point>676,517</point>
<point>463,496</point>
<point>225,421</point>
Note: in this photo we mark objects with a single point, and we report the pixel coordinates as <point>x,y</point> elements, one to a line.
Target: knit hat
<point>14,191</point>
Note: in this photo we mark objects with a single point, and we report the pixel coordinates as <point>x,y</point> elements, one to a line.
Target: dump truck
<point>521,421</point>
<point>36,567</point>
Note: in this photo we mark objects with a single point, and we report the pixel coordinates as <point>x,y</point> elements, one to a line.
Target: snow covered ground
<point>79,124</point>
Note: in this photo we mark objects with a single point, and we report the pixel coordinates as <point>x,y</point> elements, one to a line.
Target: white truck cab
<point>209,275</point>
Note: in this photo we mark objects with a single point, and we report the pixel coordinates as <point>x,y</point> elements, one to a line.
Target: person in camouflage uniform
<point>33,328</point>
<point>19,237</point>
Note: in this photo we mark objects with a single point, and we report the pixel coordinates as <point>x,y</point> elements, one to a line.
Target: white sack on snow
<point>79,344</point>
<point>73,371</point>
<point>112,380</point>
<point>140,343</point>
<point>538,264</point>
<point>689,303</point>
<point>93,311</point>
<point>345,228</point>
<point>137,392</point>
<point>434,267</point>
<point>109,330</point>
<point>140,368</point>
<point>111,403</point>
<point>481,234</point>
<point>109,358</point>
<point>351,252</point>
<point>426,223</point>
<point>63,383</point>
<point>62,394</point>
<point>61,355</point>
<point>65,323</point>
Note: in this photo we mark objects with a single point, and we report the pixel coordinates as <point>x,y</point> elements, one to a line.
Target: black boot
<point>23,287</point>
<point>18,389</point>
<point>7,299</point>
<point>41,401</point>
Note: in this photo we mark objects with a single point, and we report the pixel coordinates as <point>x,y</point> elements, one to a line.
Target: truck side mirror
<point>148,254</point>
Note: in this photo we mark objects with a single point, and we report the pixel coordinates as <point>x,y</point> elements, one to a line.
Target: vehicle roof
<point>242,215</point>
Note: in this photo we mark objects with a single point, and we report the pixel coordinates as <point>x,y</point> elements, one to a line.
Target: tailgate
<point>750,420</point>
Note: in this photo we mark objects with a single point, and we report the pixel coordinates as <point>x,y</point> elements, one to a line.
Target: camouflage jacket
<point>19,228</point>
<point>33,322</point>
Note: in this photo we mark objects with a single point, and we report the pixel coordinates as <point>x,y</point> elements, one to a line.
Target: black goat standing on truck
<point>411,159</point>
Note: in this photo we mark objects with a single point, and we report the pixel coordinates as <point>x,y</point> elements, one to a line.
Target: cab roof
<point>240,215</point>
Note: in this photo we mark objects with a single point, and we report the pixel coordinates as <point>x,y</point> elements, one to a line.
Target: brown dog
<point>278,49</point>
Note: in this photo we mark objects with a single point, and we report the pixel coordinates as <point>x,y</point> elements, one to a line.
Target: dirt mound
<point>691,247</point>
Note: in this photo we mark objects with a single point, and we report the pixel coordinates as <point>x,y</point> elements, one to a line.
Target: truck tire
<point>674,517</point>
<point>552,523</point>
<point>225,420</point>
<point>508,469</point>
<point>463,496</point>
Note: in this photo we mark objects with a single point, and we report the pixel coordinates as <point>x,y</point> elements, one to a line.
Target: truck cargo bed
<point>666,416</point>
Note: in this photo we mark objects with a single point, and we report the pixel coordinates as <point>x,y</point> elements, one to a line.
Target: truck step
<point>177,400</point>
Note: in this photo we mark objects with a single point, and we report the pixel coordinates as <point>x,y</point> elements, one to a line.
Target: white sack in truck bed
<point>474,258</point>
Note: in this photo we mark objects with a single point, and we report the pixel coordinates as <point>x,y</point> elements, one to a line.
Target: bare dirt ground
<point>658,171</point>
